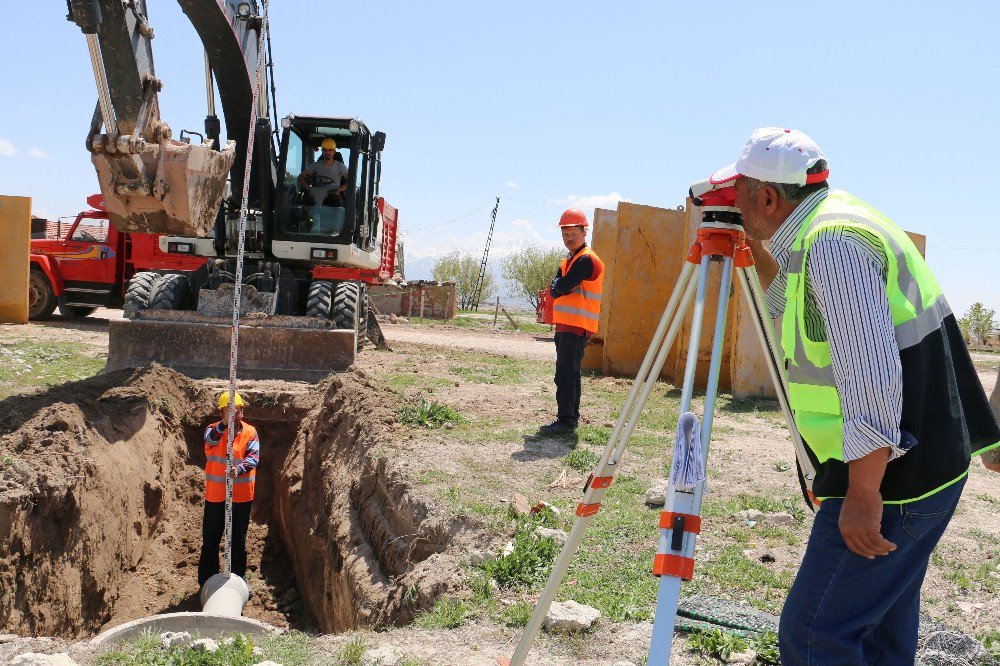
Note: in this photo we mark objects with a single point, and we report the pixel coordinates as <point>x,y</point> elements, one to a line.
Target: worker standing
<point>883,391</point>
<point>575,312</point>
<point>246,455</point>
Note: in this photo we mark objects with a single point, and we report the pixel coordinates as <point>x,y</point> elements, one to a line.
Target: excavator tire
<point>171,292</point>
<point>320,301</point>
<point>138,291</point>
<point>346,298</point>
<point>363,316</point>
<point>41,298</point>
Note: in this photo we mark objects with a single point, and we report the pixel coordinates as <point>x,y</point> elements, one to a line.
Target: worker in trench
<point>576,309</point>
<point>246,456</point>
<point>883,391</point>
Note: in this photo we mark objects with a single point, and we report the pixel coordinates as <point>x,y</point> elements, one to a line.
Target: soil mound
<point>101,486</point>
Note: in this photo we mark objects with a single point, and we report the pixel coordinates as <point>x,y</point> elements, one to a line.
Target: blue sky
<point>549,103</point>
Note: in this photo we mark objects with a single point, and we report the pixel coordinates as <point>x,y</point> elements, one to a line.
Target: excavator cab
<point>339,230</point>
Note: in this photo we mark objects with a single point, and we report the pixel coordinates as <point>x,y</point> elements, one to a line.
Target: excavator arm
<point>151,182</point>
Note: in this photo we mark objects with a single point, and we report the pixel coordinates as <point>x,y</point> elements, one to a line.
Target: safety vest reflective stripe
<point>577,311</point>
<point>222,459</point>
<point>916,303</point>
<point>222,479</point>
<point>582,306</point>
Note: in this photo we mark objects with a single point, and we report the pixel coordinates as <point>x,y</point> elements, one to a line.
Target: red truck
<point>91,264</point>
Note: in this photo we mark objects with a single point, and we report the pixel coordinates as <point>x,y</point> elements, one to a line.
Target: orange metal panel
<point>15,229</point>
<point>605,244</point>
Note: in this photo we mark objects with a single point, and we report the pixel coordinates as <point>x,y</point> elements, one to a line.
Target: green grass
<point>716,643</point>
<point>732,571</point>
<point>611,571</point>
<point>292,649</point>
<point>428,413</point>
<point>497,371</point>
<point>446,614</point>
<point>403,381</point>
<point>991,641</point>
<point>581,460</point>
<point>352,653</point>
<point>744,501</point>
<point>516,615</point>
<point>528,565</point>
<point>27,365</point>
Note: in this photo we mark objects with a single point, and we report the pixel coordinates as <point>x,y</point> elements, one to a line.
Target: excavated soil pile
<point>101,487</point>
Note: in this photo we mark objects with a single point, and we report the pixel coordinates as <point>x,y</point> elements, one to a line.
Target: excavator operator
<point>325,180</point>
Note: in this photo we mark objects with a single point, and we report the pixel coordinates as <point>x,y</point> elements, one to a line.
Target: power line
<point>453,221</point>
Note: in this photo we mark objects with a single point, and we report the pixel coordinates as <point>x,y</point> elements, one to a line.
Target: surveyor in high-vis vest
<point>246,456</point>
<point>576,310</point>
<point>883,392</point>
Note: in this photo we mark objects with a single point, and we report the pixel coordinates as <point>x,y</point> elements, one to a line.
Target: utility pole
<point>478,291</point>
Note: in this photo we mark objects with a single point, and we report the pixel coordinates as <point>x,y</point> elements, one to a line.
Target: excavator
<point>307,264</point>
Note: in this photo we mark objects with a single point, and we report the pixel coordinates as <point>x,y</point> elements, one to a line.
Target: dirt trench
<point>101,486</point>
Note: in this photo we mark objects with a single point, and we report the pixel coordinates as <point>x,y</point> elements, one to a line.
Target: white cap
<point>776,155</point>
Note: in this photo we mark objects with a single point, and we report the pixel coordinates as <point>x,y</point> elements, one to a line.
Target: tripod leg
<point>687,504</point>
<point>600,478</point>
<point>762,323</point>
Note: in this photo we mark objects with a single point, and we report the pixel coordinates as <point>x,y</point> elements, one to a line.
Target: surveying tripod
<point>720,239</point>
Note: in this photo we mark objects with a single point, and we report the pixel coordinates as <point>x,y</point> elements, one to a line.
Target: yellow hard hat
<point>224,400</point>
<point>328,144</point>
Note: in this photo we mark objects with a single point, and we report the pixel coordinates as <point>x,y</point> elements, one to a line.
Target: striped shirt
<point>846,305</point>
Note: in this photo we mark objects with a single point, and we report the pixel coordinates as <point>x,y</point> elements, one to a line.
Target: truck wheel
<point>346,297</point>
<point>320,301</point>
<point>138,291</point>
<point>171,292</point>
<point>41,298</point>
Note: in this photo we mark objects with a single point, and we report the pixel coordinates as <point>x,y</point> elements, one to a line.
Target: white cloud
<point>510,183</point>
<point>609,201</point>
<point>35,152</point>
<point>7,148</point>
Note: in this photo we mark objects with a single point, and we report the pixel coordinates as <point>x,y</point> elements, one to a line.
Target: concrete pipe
<point>225,595</point>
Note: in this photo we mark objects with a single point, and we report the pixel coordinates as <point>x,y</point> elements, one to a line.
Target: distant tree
<point>463,269</point>
<point>978,323</point>
<point>528,270</point>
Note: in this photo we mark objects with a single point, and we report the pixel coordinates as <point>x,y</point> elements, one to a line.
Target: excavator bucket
<point>172,187</point>
<point>270,346</point>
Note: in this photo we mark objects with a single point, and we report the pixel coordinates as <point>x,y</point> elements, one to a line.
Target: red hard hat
<point>573,217</point>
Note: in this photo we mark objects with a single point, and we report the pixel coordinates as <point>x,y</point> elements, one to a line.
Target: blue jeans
<point>844,609</point>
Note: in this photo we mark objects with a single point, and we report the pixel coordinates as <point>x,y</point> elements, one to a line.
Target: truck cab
<point>79,270</point>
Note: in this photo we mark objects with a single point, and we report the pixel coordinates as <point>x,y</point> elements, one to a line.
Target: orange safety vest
<point>215,467</point>
<point>582,306</point>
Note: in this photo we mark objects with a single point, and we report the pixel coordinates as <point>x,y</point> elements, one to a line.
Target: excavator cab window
<point>313,204</point>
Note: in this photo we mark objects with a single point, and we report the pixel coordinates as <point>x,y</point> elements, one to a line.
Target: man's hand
<point>860,524</point>
<point>861,515</point>
<point>233,472</point>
